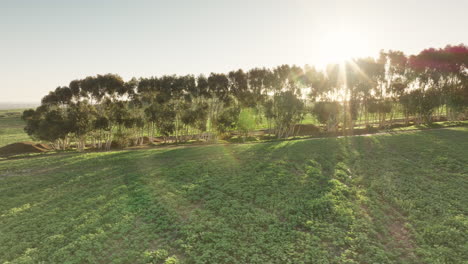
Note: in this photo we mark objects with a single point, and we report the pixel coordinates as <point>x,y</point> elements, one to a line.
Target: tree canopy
<point>104,108</point>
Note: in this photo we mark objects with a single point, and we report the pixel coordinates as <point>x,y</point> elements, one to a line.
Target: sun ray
<point>340,45</point>
<point>358,69</point>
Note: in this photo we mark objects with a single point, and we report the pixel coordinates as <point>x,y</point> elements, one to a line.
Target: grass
<point>432,126</point>
<point>11,127</point>
<point>381,199</point>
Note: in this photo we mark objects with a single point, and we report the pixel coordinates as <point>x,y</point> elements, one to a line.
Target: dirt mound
<point>158,140</point>
<point>148,140</point>
<point>44,146</point>
<point>23,148</point>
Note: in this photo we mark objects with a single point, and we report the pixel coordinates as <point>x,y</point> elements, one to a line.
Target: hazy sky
<point>45,44</point>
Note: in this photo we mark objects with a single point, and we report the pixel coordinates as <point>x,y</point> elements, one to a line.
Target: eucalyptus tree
<point>429,75</point>
<point>147,90</point>
<point>239,88</point>
<point>193,112</point>
<point>279,79</point>
<point>296,80</point>
<point>221,99</point>
<point>335,83</point>
<point>245,98</point>
<point>75,88</point>
<point>130,88</point>
<point>246,122</point>
<point>48,123</point>
<point>257,82</point>
<point>370,87</point>
<point>327,113</point>
<point>101,91</point>
<point>351,81</point>
<point>201,98</point>
<point>399,79</point>
<point>185,86</point>
<point>138,116</point>
<point>398,74</point>
<point>324,106</point>
<point>61,96</point>
<point>288,110</point>
<point>318,84</point>
<point>81,117</point>
<point>226,120</point>
<point>165,120</point>
<point>285,107</point>
<point>106,108</point>
<point>257,79</point>
<point>201,90</point>
<point>188,118</point>
<point>151,113</point>
<point>337,90</point>
<point>429,78</point>
<point>456,72</point>
<point>445,69</point>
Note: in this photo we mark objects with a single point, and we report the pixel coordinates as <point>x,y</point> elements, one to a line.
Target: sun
<point>339,46</point>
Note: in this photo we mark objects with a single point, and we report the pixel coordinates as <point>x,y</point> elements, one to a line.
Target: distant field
<point>379,199</point>
<point>17,105</point>
<point>11,127</point>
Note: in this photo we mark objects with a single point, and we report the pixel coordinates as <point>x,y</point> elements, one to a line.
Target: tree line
<point>103,109</point>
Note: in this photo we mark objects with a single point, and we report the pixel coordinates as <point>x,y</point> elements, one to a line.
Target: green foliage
<point>180,108</point>
<point>327,113</point>
<point>172,260</point>
<point>160,256</point>
<point>163,116</point>
<point>46,123</point>
<point>246,122</point>
<point>379,106</point>
<point>81,117</point>
<point>196,117</point>
<point>458,100</point>
<point>286,110</point>
<point>122,139</point>
<point>381,199</point>
<point>227,120</point>
<point>422,103</point>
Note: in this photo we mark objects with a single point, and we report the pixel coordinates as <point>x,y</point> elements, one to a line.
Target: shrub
<point>327,113</point>
<point>156,257</point>
<point>246,122</point>
<point>121,139</point>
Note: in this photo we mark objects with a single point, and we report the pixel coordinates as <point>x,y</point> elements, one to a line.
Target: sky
<point>48,43</point>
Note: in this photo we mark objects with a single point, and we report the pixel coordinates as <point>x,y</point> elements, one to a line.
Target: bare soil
<point>23,148</point>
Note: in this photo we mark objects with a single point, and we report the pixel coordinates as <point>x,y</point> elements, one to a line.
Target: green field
<point>11,127</point>
<point>380,199</point>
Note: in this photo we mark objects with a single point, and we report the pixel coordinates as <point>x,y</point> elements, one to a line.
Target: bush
<point>246,122</point>
<point>227,120</point>
<point>121,139</point>
<point>171,260</point>
<point>327,113</point>
<point>156,257</point>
